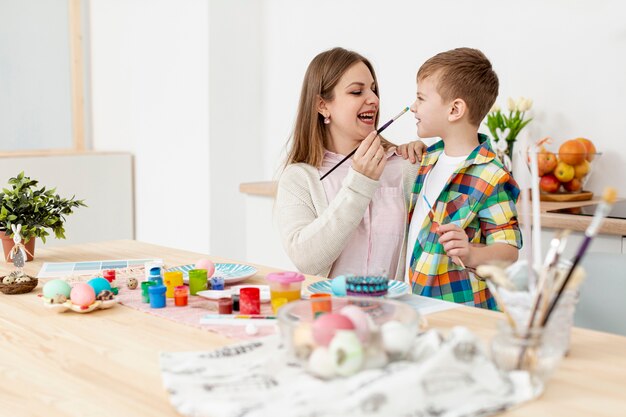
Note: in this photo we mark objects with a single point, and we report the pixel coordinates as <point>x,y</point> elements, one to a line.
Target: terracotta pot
<point>7,245</point>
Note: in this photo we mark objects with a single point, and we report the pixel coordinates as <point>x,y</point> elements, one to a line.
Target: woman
<point>354,221</point>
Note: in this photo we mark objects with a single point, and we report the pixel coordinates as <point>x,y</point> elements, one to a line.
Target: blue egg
<point>99,284</point>
<point>338,286</point>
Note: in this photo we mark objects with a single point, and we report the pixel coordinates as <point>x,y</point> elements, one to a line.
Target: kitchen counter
<point>549,220</point>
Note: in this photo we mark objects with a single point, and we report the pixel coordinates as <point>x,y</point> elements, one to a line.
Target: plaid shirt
<point>480,198</point>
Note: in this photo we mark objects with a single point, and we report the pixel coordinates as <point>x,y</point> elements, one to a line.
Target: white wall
<point>569,56</point>
<point>151,97</point>
<point>102,180</point>
<point>204,92</point>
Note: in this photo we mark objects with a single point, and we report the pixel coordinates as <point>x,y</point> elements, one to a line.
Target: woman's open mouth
<point>367,117</point>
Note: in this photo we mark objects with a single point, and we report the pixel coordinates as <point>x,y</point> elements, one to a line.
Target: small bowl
<point>334,337</point>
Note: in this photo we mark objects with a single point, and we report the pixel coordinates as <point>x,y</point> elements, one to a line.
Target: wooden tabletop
<point>106,363</point>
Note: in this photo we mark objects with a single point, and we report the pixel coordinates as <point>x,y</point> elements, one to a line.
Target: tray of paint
<point>396,288</point>
<point>264,291</point>
<point>231,272</point>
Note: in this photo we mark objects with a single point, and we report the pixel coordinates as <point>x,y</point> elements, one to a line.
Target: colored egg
<point>360,320</point>
<point>338,286</point>
<point>56,287</point>
<point>99,284</point>
<point>302,340</point>
<point>326,325</point>
<point>82,294</point>
<point>346,352</point>
<point>206,264</point>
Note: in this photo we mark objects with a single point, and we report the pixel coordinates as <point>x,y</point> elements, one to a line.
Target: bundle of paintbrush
<point>554,280</point>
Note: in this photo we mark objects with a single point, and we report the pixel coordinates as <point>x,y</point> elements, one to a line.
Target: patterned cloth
<point>480,198</point>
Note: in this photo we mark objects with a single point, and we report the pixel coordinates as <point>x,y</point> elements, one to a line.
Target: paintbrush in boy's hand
<point>430,207</point>
<point>378,131</point>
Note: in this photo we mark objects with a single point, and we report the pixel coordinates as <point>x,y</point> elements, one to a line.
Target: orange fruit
<point>572,152</point>
<point>589,146</point>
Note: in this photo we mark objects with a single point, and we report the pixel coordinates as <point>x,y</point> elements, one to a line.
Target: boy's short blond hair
<point>467,74</point>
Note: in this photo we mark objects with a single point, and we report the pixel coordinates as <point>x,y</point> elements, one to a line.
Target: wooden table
<point>106,363</point>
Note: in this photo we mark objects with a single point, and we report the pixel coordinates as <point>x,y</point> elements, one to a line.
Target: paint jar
<point>533,351</point>
<point>321,303</point>
<point>172,280</point>
<point>285,285</point>
<point>149,265</point>
<point>181,296</point>
<point>109,274</point>
<point>145,295</point>
<point>197,280</point>
<point>250,301</point>
<point>217,283</point>
<point>155,275</point>
<point>235,302</point>
<point>225,305</point>
<point>157,296</point>
<point>278,303</point>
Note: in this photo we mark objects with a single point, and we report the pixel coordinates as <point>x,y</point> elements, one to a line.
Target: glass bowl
<point>334,337</point>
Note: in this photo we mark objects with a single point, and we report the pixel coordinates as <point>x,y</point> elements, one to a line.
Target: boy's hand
<point>412,151</point>
<point>456,243</point>
<point>370,159</point>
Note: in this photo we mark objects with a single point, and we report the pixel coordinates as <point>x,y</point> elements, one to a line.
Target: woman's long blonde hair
<point>310,134</point>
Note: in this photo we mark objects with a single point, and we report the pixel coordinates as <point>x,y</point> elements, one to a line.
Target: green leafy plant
<point>36,209</point>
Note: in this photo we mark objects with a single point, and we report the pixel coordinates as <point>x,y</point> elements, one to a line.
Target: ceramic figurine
<point>18,252</point>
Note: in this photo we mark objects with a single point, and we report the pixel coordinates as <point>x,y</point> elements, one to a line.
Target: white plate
<point>214,295</point>
<point>232,273</point>
<point>396,288</point>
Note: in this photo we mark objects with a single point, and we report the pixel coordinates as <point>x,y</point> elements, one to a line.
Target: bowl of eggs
<point>338,337</point>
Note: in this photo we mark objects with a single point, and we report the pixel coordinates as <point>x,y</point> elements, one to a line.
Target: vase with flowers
<point>505,128</point>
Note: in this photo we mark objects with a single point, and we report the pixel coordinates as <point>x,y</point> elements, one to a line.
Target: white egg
<point>346,352</point>
<point>321,363</point>
<point>396,338</point>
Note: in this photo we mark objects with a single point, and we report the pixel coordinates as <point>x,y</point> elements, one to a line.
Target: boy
<point>462,212</point>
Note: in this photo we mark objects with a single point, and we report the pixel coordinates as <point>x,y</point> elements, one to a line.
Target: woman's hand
<point>370,158</point>
<point>412,151</point>
<point>456,244</point>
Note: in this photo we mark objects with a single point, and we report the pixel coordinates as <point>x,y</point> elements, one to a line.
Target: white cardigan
<point>315,233</point>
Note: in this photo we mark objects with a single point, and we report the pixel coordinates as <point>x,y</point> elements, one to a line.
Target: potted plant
<point>37,210</point>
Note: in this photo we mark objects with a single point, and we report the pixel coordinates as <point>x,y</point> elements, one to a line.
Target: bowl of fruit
<point>564,173</point>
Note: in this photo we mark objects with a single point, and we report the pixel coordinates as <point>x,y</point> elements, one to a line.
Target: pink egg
<point>82,294</point>
<point>326,325</point>
<point>360,320</point>
<point>206,264</point>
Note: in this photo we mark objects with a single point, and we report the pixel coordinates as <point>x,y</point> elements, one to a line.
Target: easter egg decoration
<point>132,283</point>
<point>82,294</point>
<point>321,363</point>
<point>206,264</point>
<point>346,352</point>
<point>55,288</point>
<point>396,338</point>
<point>326,325</point>
<point>360,320</point>
<point>99,284</point>
<point>338,286</point>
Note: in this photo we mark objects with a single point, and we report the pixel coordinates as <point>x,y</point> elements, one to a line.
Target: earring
<point>327,120</point>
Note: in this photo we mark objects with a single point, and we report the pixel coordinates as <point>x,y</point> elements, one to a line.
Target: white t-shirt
<point>434,183</point>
